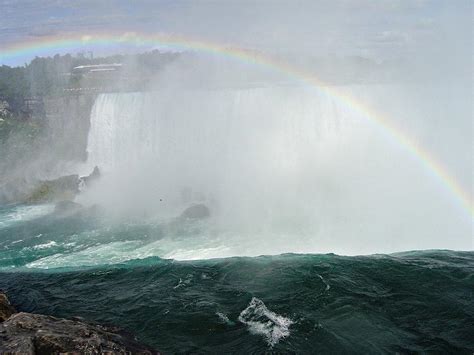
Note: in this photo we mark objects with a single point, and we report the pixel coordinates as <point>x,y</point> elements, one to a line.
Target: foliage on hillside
<point>19,138</point>
<point>14,86</point>
<point>51,75</point>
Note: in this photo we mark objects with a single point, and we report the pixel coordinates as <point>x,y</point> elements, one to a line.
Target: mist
<point>236,176</point>
<point>282,164</point>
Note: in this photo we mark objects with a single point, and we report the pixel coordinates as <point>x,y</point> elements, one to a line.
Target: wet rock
<point>198,211</point>
<point>36,333</point>
<point>63,188</point>
<point>28,333</point>
<point>6,309</point>
<point>28,191</point>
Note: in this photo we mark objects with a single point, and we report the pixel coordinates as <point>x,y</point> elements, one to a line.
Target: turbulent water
<point>78,266</point>
<point>288,173</point>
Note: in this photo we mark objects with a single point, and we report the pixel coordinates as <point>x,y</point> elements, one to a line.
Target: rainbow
<point>47,45</point>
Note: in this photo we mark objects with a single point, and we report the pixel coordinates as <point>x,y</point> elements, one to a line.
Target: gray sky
<point>385,29</point>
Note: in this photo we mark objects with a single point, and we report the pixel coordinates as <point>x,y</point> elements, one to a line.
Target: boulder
<point>6,309</point>
<point>197,211</point>
<point>29,333</point>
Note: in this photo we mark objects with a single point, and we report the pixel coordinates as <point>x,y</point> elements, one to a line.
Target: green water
<point>289,303</point>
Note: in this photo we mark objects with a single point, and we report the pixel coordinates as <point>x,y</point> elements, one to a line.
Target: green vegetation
<point>9,123</point>
<point>29,147</point>
<point>51,75</point>
<point>19,138</point>
<point>14,86</point>
<point>23,87</point>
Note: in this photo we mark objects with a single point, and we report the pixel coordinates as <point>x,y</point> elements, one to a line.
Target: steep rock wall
<point>68,121</point>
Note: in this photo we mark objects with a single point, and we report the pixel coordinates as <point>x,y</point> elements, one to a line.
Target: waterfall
<point>295,160</point>
<point>223,144</point>
<point>267,125</point>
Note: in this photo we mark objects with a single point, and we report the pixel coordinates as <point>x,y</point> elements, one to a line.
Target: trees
<point>46,76</point>
<point>14,86</point>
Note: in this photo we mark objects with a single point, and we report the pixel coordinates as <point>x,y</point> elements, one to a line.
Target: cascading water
<point>287,169</point>
<point>226,146</point>
<point>282,169</point>
<point>288,177</point>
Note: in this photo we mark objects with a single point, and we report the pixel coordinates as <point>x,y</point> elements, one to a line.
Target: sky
<point>381,30</point>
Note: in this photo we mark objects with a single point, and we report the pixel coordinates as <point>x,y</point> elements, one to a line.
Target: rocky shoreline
<point>28,333</point>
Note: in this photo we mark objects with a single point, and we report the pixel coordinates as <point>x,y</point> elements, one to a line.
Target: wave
<point>260,320</point>
<point>17,214</point>
<point>288,303</point>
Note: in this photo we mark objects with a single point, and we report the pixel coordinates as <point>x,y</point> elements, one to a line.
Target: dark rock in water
<point>6,309</point>
<point>67,207</point>
<point>28,333</point>
<point>63,188</point>
<point>198,211</point>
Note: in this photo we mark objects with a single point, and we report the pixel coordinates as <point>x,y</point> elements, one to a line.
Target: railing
<point>85,89</point>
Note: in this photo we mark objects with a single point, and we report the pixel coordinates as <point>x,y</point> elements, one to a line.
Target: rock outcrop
<point>198,211</point>
<point>33,191</point>
<point>63,188</point>
<point>6,309</point>
<point>28,333</point>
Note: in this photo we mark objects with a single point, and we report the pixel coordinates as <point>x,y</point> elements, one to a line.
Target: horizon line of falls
<point>282,169</point>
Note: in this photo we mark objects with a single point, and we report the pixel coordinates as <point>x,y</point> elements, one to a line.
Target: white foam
<point>109,253</point>
<point>199,254</point>
<point>24,213</point>
<point>261,321</point>
<point>325,283</point>
<point>47,245</point>
<point>224,319</point>
<point>185,282</point>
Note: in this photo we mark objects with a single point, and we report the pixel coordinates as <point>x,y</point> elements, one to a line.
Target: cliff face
<point>44,144</point>
<point>68,122</point>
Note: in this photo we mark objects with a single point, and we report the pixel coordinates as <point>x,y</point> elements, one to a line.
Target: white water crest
<point>282,169</point>
<point>261,321</point>
<point>18,214</point>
